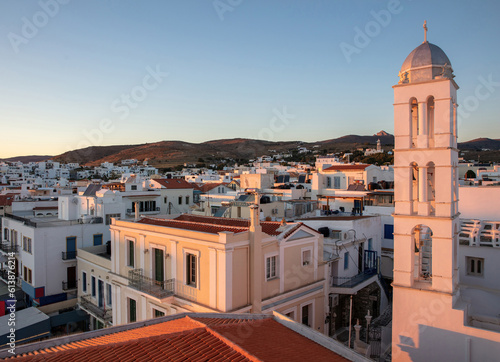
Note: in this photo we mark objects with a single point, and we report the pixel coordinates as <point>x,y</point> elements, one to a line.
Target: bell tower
<point>426,221</point>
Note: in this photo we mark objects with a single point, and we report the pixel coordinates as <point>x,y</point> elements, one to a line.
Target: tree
<point>470,174</point>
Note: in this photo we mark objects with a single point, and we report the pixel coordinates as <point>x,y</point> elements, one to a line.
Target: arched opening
<point>431,186</point>
<point>430,120</point>
<point>414,129</point>
<point>414,187</point>
<point>422,240</point>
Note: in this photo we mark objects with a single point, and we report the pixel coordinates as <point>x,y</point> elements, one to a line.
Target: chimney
<point>255,259</point>
<point>136,203</point>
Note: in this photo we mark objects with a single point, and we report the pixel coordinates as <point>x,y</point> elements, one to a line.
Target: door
<point>100,293</point>
<point>71,247</point>
<point>159,267</point>
<point>71,277</point>
<point>360,258</point>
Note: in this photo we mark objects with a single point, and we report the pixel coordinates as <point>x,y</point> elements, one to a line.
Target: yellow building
<point>162,266</point>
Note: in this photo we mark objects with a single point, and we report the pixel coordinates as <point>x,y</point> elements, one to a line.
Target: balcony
<point>352,282</point>
<point>69,285</point>
<point>160,290</point>
<point>9,248</point>
<point>103,313</point>
<point>68,255</point>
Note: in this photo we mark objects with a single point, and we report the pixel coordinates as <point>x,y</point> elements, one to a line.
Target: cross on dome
<point>425,31</point>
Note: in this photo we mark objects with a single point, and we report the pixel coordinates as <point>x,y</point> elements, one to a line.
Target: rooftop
<point>193,337</point>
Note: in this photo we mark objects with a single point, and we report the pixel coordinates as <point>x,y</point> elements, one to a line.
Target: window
<point>336,182</point>
<point>158,313</point>
<point>132,308</point>
<point>84,282</point>
<point>389,231</point>
<point>187,200</point>
<point>165,200</point>
<point>70,248</point>
<point>290,315</point>
<point>110,216</point>
<point>27,244</point>
<point>271,267</point>
<point>6,234</point>
<point>13,236</point>
<point>328,182</point>
<point>93,286</point>
<point>27,275</point>
<point>346,260</point>
<point>109,292</point>
<point>145,206</point>
<point>97,239</point>
<point>133,187</point>
<point>306,315</point>
<point>180,200</point>
<point>370,244</point>
<point>475,266</point>
<point>191,269</point>
<point>131,252</point>
<point>306,257</point>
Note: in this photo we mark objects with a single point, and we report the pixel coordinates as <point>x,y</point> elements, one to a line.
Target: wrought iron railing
<point>161,289</point>
<point>9,248</point>
<point>103,313</point>
<point>351,282</point>
<point>158,289</point>
<point>68,255</point>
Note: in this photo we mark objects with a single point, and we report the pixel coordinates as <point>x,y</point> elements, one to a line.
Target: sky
<point>79,73</point>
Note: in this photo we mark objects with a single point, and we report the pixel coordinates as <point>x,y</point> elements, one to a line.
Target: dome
<point>425,54</point>
<point>424,63</point>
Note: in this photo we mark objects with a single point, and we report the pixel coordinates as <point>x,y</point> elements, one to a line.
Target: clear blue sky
<point>66,71</point>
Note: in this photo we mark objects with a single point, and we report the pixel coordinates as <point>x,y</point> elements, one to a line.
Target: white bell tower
<point>426,219</point>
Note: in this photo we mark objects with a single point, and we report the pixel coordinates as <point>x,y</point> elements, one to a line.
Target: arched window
<point>414,130</point>
<point>422,239</point>
<point>414,186</point>
<point>431,186</point>
<point>430,120</point>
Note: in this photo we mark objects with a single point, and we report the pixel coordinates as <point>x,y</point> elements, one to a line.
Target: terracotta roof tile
<point>358,167</point>
<point>174,183</point>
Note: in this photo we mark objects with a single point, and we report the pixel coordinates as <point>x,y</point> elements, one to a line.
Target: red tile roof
<point>6,200</point>
<point>191,338</point>
<point>210,186</point>
<point>359,167</point>
<point>174,183</point>
<point>268,227</point>
<point>193,226</point>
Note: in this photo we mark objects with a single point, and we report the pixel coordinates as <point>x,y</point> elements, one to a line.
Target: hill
<point>26,159</point>
<point>171,153</point>
<point>480,143</point>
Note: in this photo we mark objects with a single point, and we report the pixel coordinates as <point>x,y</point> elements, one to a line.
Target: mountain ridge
<point>174,152</point>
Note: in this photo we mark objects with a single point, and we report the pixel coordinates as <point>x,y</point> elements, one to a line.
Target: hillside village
<point>94,246</point>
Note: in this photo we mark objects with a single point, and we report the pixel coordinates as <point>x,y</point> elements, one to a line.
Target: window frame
<point>473,264</point>
<point>188,272</point>
<point>130,302</point>
<point>269,266</point>
<point>346,260</point>
<point>130,253</point>
<point>84,281</point>
<point>303,260</point>
<point>93,287</point>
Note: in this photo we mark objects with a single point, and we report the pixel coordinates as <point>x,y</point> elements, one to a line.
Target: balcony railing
<point>69,285</point>
<point>158,289</point>
<point>351,282</point>
<point>68,255</point>
<point>9,248</point>
<point>161,289</point>
<point>103,313</point>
